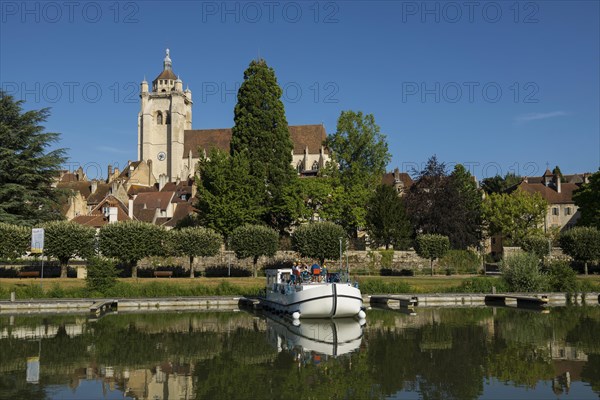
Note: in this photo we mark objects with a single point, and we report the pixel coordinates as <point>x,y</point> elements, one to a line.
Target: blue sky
<point>500,86</point>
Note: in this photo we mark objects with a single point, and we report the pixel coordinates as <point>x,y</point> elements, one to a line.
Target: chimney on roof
<point>525,179</point>
<point>396,174</point>
<point>110,171</point>
<point>586,178</point>
<point>557,182</point>
<point>162,181</point>
<point>94,186</point>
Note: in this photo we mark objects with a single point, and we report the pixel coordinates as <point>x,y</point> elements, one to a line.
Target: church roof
<point>166,74</point>
<point>302,136</point>
<point>548,193</point>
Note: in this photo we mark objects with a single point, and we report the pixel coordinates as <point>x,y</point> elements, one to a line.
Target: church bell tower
<point>165,113</point>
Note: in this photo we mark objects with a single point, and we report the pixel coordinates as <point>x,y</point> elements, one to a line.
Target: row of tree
<point>129,242</point>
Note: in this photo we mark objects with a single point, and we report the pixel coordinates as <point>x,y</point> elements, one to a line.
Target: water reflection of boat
<point>308,298</point>
<point>332,337</point>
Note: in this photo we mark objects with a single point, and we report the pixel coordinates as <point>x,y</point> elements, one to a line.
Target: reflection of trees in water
<point>441,353</point>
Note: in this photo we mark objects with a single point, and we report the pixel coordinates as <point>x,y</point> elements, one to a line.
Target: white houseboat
<point>312,297</point>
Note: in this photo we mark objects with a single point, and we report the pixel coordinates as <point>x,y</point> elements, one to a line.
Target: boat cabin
<point>276,276</point>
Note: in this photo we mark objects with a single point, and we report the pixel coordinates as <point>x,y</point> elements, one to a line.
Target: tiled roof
<point>83,187</point>
<point>137,189</point>
<point>182,211</point>
<point>205,139</point>
<point>548,172</point>
<point>153,200</point>
<point>166,74</point>
<point>125,172</point>
<point>311,136</point>
<point>549,193</point>
<point>95,221</point>
<point>389,179</point>
<point>100,193</point>
<point>302,136</point>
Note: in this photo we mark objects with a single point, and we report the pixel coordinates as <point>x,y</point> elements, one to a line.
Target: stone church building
<point>159,187</point>
<point>171,148</point>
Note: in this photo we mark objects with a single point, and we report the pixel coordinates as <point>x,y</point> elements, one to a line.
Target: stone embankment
<point>233,302</point>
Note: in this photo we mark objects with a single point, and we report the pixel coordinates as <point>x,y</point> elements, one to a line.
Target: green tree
<point>448,205</point>
<point>101,274</point>
<point>536,244</point>
<point>195,242</point>
<point>319,240</point>
<point>130,241</point>
<point>582,243</point>
<point>386,219</point>
<point>432,246</point>
<point>522,273</point>
<point>15,240</point>
<point>228,195</point>
<point>557,171</point>
<point>359,158</point>
<point>65,240</point>
<point>498,184</point>
<point>515,215</point>
<point>27,168</point>
<point>587,198</point>
<point>261,129</point>
<point>254,241</point>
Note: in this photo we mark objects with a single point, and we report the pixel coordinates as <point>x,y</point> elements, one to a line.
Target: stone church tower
<point>165,114</point>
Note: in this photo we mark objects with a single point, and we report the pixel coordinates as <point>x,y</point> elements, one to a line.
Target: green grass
<point>173,287</point>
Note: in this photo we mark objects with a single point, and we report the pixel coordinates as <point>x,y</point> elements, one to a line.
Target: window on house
<point>554,210</point>
<point>299,166</point>
<point>315,166</point>
<point>568,211</point>
<point>159,119</point>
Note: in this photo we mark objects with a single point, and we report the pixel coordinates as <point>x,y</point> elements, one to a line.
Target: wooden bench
<point>28,274</point>
<point>163,274</point>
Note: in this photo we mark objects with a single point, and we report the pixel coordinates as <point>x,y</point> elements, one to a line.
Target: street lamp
<point>340,254</point>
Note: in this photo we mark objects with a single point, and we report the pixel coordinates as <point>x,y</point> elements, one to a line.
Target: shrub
<point>378,286</point>
<point>461,261</point>
<point>480,285</point>
<point>537,245</point>
<point>562,278</point>
<point>522,273</point>
<point>387,258</point>
<point>101,275</point>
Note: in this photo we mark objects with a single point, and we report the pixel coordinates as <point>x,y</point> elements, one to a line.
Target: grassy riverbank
<point>166,287</point>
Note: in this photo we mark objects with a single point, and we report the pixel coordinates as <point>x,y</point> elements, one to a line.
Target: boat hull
<point>325,300</point>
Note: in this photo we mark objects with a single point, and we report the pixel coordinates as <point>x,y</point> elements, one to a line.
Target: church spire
<point>167,62</point>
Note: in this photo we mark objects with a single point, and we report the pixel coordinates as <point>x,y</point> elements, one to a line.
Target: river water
<point>445,353</point>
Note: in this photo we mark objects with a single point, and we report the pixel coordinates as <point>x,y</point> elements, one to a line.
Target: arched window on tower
<point>168,118</point>
<point>159,118</point>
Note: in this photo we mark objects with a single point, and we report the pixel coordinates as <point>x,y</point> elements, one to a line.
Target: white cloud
<point>538,116</point>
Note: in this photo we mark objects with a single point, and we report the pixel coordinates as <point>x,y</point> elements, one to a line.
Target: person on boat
<point>324,273</point>
<point>296,272</point>
<point>316,271</point>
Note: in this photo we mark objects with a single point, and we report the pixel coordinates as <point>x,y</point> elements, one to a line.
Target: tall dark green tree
<point>449,205</point>
<point>261,129</point>
<point>587,198</point>
<point>228,196</point>
<point>360,155</point>
<point>498,184</point>
<point>27,165</point>
<point>387,222</point>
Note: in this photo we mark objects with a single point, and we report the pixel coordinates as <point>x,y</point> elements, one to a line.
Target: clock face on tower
<point>161,156</point>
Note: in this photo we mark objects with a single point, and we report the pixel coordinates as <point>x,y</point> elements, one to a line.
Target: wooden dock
<point>250,303</point>
<point>521,300</point>
<point>403,301</point>
<point>101,307</point>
